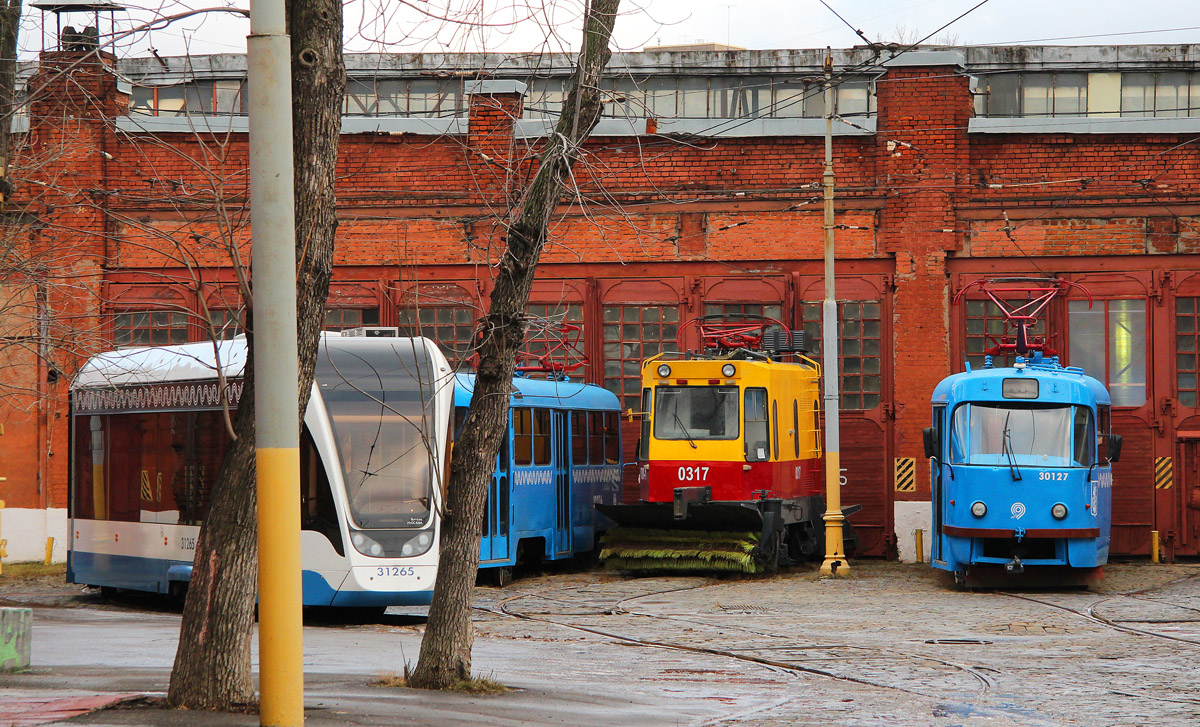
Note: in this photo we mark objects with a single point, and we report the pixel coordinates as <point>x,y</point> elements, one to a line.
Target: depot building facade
<point>698,193</point>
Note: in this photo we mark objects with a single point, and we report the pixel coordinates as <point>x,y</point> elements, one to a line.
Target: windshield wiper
<point>682,428</point>
<point>1006,445</point>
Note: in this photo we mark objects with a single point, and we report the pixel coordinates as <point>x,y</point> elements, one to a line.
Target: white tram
<point>148,433</point>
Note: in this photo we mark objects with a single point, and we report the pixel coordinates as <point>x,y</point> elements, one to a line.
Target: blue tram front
<point>1021,474</point>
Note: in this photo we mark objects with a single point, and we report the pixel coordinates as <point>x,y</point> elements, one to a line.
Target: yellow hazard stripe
<point>906,474</point>
<point>147,493</point>
<point>1164,473</point>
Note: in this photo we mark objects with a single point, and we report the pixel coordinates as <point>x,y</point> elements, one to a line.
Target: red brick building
<point>699,193</point>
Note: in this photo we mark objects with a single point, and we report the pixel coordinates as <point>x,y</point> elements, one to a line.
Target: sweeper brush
<point>641,550</point>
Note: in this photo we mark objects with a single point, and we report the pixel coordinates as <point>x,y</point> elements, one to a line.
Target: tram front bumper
<point>387,585</point>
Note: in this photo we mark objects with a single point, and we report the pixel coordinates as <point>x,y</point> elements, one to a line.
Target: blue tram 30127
<point>1021,469</point>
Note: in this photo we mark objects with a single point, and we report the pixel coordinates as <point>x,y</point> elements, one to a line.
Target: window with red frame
<point>1187,350</point>
<point>150,328</point>
<point>860,336</point>
<point>339,319</point>
<point>633,333</point>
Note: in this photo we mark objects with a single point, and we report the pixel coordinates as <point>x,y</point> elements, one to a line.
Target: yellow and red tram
<point>729,455</point>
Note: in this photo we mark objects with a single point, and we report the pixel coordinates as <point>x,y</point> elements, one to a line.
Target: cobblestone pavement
<point>892,644</point>
<point>898,645</point>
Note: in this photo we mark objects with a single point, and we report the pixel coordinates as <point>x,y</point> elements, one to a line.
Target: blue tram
<point>561,458</point>
<point>1021,472</point>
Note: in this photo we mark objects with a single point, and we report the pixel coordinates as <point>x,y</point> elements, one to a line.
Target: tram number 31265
<point>693,474</point>
<point>394,570</point>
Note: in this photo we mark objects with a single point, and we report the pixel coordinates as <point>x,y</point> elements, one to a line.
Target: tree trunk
<point>10,24</point>
<point>446,647</point>
<point>318,90</point>
<point>212,665</point>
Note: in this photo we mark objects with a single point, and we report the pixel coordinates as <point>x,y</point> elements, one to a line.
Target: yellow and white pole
<point>835,563</point>
<point>276,371</point>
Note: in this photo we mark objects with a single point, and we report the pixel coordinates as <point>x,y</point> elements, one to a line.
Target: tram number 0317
<point>693,474</point>
<point>1055,476</point>
<point>394,570</point>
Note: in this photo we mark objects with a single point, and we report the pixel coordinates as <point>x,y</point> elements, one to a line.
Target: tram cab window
<point>696,412</point>
<point>317,511</point>
<point>1003,435</point>
<point>643,452</point>
<point>1102,433</point>
<point>757,445</point>
<point>1084,437</point>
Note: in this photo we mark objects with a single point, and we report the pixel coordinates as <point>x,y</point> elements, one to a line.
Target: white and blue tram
<point>148,432</point>
<point>1021,474</point>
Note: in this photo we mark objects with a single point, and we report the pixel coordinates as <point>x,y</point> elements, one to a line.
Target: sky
<point>553,25</point>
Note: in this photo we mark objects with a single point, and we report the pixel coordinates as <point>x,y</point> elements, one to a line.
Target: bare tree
<point>903,35</point>
<point>212,665</point>
<point>446,647</point>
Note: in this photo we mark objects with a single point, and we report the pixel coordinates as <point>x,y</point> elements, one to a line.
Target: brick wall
<point>137,216</point>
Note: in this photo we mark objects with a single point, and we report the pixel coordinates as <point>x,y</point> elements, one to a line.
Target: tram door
<point>562,484</point>
<point>493,545</point>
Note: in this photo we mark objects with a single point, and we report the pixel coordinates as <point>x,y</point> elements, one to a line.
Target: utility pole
<point>835,563</point>
<point>276,370</point>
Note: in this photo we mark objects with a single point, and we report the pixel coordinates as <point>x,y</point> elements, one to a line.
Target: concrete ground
<point>893,644</point>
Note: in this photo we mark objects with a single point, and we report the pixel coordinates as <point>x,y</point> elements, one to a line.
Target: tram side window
<point>579,438</point>
<point>460,418</point>
<point>1084,437</point>
<point>147,466</point>
<point>201,449</point>
<point>775,427</point>
<point>317,511</point>
<point>541,436</point>
<point>796,427</point>
<point>596,437</point>
<point>757,443</point>
<point>522,437</point>
<point>612,438</point>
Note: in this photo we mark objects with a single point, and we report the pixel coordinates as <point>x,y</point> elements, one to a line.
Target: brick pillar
<point>921,151</point>
<point>73,97</point>
<point>494,109</point>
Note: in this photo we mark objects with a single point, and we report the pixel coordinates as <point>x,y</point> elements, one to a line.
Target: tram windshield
<point>380,405</point>
<point>696,412</point>
<point>1006,435</point>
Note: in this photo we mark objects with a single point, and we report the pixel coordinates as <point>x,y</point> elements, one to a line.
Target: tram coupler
<point>687,495</point>
<point>1015,565</point>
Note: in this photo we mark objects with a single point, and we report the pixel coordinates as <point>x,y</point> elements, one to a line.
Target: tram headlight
<point>1059,511</point>
<point>365,544</point>
<point>664,371</point>
<point>978,509</point>
<point>728,370</point>
<point>391,543</point>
